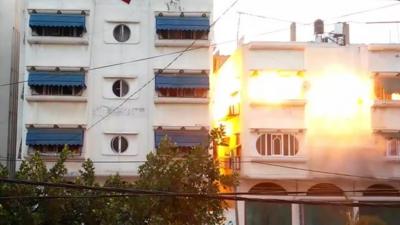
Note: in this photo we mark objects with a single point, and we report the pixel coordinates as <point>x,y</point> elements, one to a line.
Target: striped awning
<point>56,20</point>
<point>54,136</point>
<point>190,23</point>
<point>56,79</point>
<point>182,81</point>
<point>183,138</point>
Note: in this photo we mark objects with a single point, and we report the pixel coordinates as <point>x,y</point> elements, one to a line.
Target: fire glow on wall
<point>337,101</point>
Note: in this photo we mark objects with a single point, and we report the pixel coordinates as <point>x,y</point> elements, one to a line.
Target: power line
<point>346,203</point>
<point>152,193</point>
<point>327,172</point>
<point>368,10</point>
<point>224,12</point>
<point>269,164</point>
<point>189,48</point>
<point>271,18</point>
<point>154,77</point>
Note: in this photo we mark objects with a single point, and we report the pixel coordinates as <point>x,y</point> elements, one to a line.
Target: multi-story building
<point>311,122</point>
<point>10,13</point>
<point>103,79</point>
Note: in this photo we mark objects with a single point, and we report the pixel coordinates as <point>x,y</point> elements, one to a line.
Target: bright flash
<point>275,86</point>
<point>339,103</point>
<point>396,96</point>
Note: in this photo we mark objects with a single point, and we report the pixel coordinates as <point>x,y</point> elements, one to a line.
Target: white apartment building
<point>99,79</point>
<point>311,122</point>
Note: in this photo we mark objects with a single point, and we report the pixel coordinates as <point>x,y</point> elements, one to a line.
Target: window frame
<point>380,93</point>
<point>49,90</point>
<point>182,92</point>
<point>266,143</point>
<point>70,32</point>
<point>183,35</point>
<point>124,28</point>
<point>389,147</point>
<point>120,139</point>
<point>54,150</point>
<point>121,85</point>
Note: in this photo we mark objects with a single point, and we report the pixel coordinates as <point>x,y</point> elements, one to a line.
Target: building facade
<point>10,88</point>
<point>102,78</point>
<point>311,122</point>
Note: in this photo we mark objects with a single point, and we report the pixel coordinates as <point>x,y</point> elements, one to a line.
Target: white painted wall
<point>133,118</point>
<point>257,117</point>
<point>9,12</point>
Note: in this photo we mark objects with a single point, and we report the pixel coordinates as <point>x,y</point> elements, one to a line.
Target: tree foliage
<point>170,170</point>
<point>166,170</point>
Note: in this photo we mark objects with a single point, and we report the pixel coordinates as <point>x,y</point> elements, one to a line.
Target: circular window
<point>119,144</point>
<point>120,88</point>
<point>122,33</point>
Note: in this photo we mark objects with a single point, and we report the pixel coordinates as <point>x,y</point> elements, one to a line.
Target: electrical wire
<point>272,18</point>
<point>368,10</point>
<point>263,163</point>
<point>327,172</point>
<point>189,48</point>
<point>152,193</point>
<point>153,78</point>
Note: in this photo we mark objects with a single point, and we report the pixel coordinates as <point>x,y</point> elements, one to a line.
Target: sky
<point>270,20</point>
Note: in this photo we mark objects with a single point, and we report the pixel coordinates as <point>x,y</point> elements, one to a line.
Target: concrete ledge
<point>288,103</point>
<point>384,47</point>
<point>52,98</point>
<point>386,104</point>
<point>58,40</point>
<point>282,159</point>
<point>392,159</point>
<point>272,45</point>
<point>174,100</point>
<point>181,43</point>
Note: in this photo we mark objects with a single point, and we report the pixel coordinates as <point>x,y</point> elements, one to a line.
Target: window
<point>57,90</point>
<point>387,215</point>
<point>183,27</point>
<point>261,213</point>
<point>393,147</point>
<point>234,109</point>
<point>51,141</point>
<point>325,214</point>
<point>58,31</point>
<point>50,150</point>
<point>184,140</point>
<point>381,190</point>
<point>387,88</point>
<point>57,24</point>
<point>56,83</point>
<point>120,88</point>
<point>277,144</point>
<point>119,144</point>
<point>182,85</point>
<point>122,33</point>
<point>182,34</point>
<point>182,92</point>
<point>325,189</point>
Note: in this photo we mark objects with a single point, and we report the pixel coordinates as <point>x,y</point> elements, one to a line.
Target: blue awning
<point>186,81</point>
<point>56,20</point>
<point>54,136</point>
<point>183,138</point>
<point>182,23</point>
<point>56,79</point>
